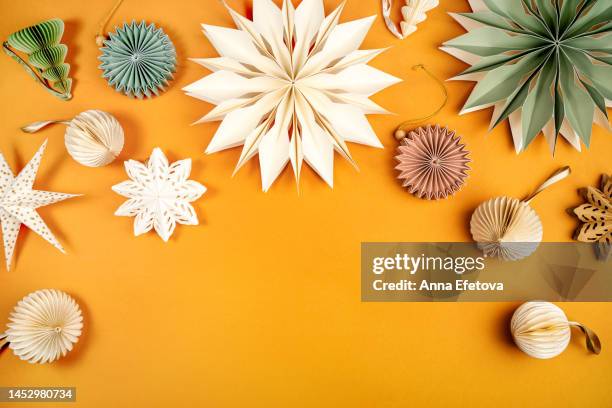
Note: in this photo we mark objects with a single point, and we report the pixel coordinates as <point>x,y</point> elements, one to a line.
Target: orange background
<point>259,306</point>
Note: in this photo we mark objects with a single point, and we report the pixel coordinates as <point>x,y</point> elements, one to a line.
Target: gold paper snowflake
<point>596,214</point>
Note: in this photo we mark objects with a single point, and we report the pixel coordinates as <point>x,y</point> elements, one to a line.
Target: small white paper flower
<point>159,194</point>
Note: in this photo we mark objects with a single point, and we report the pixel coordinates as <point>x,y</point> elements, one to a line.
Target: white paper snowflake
<point>159,194</point>
<point>18,204</point>
<point>291,85</point>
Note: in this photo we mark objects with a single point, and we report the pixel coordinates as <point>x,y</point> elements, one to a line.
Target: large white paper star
<point>159,194</point>
<point>291,85</point>
<point>18,204</point>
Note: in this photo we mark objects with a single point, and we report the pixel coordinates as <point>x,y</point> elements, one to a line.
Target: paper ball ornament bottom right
<point>541,330</point>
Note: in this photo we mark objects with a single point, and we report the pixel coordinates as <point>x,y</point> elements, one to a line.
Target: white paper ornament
<point>291,85</point>
<point>541,330</point>
<point>19,202</point>
<point>159,194</point>
<point>413,13</point>
<point>93,138</point>
<point>44,326</point>
<point>508,228</point>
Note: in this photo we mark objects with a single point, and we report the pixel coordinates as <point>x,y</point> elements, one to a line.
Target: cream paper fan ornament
<point>508,228</point>
<point>18,204</point>
<point>541,330</point>
<point>93,138</point>
<point>290,85</point>
<point>44,326</point>
<point>413,13</point>
<point>159,194</point>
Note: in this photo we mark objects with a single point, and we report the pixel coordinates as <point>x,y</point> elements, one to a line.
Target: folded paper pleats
<point>291,85</point>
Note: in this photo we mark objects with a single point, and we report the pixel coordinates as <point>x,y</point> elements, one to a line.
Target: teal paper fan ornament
<point>545,65</point>
<point>41,42</point>
<point>138,59</point>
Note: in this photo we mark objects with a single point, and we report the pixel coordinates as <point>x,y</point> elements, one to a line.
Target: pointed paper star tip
<point>40,151</point>
<point>207,27</point>
<point>157,152</point>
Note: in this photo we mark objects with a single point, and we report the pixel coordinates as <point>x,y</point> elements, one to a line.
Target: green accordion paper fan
<point>546,65</point>
<point>41,42</point>
<point>138,59</point>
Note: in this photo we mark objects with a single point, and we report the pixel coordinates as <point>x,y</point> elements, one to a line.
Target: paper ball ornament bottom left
<point>44,326</point>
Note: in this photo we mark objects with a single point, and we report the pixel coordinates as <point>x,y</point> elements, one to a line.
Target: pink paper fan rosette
<point>432,162</point>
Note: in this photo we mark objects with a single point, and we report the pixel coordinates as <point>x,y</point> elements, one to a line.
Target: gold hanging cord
<point>401,130</point>
<point>100,37</point>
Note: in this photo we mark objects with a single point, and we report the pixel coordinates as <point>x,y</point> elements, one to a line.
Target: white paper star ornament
<point>159,194</point>
<point>18,204</point>
<point>291,85</point>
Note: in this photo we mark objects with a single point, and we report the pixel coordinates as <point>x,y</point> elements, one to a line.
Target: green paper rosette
<point>546,65</point>
<point>138,59</point>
